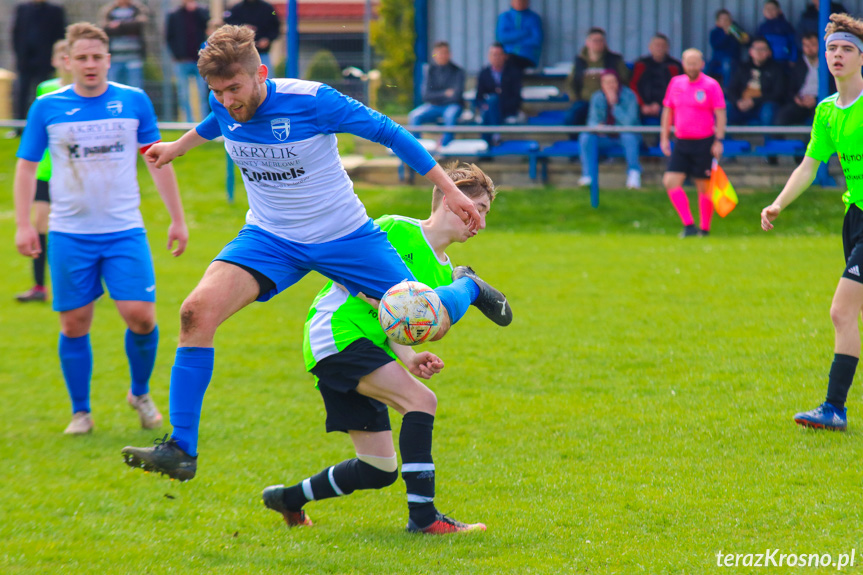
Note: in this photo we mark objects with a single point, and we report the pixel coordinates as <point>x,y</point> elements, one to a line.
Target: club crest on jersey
<point>281,128</point>
<point>700,95</point>
<point>115,108</point>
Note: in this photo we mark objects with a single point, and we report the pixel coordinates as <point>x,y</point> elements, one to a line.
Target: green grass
<point>635,418</point>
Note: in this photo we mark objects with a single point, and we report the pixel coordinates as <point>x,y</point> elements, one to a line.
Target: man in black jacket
<point>650,78</point>
<point>186,30</point>
<point>37,25</point>
<point>758,87</point>
<point>261,17</point>
<point>498,91</point>
<point>442,92</point>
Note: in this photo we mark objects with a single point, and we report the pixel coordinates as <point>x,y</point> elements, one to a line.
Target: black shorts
<point>852,242</point>
<point>42,193</point>
<point>338,376</point>
<point>692,157</point>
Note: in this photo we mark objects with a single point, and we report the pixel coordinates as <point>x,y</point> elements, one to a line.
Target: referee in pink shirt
<point>695,105</point>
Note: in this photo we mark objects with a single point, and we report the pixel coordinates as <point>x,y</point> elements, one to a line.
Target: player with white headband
<point>836,129</point>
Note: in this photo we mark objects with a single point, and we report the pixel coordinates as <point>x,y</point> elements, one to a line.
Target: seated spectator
<point>612,105</point>
<point>498,91</point>
<point>519,29</point>
<point>779,33</point>
<point>726,40</point>
<point>757,89</point>
<point>650,78</point>
<point>588,67</point>
<point>442,89</point>
<point>803,83</point>
<point>809,19</point>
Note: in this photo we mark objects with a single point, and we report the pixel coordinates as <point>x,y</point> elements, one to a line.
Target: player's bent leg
<point>76,362</point>
<point>375,467</point>
<point>224,290</point>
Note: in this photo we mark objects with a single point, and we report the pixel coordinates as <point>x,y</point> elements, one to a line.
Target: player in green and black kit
<point>358,376</point>
<point>837,128</point>
<point>42,200</point>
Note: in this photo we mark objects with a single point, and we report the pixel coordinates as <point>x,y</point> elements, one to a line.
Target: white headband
<point>845,36</point>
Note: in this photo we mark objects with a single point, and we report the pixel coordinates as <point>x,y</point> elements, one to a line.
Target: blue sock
<point>193,368</point>
<point>76,360</point>
<point>141,351</point>
<point>457,297</point>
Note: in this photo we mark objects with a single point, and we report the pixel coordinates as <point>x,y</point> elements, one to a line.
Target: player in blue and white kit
<point>303,216</point>
<point>93,130</point>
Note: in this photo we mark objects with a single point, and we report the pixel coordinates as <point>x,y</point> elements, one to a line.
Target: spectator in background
<point>695,105</point>
<point>589,65</point>
<point>186,30</point>
<point>779,33</point>
<point>37,25</point>
<point>124,21</point>
<point>612,105</point>
<point>809,19</point>
<point>726,39</point>
<point>261,17</point>
<point>519,29</point>
<point>803,83</point>
<point>650,78</point>
<point>498,91</point>
<point>758,87</point>
<point>442,89</point>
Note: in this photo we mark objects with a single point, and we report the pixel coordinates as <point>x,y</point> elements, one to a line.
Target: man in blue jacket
<point>519,29</point>
<point>612,105</point>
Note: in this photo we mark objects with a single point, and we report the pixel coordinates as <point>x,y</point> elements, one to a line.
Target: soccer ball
<point>410,313</point>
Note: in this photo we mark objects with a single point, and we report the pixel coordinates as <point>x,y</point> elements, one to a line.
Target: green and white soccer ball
<point>410,313</point>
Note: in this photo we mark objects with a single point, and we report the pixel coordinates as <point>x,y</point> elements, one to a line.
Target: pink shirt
<point>693,105</point>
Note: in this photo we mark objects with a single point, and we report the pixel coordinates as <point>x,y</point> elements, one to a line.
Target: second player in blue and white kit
<point>93,130</point>
<point>303,216</point>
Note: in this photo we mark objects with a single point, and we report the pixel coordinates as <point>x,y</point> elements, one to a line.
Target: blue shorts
<point>362,261</point>
<point>79,263</point>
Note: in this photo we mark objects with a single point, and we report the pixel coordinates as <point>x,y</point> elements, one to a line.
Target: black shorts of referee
<point>692,157</point>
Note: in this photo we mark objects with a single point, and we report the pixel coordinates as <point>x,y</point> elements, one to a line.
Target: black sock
<point>415,441</point>
<point>341,479</point>
<point>39,261</point>
<point>841,377</point>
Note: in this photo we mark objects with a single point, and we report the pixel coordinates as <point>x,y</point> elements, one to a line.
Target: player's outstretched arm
<point>163,153</point>
<point>166,184</point>
<point>423,364</point>
<point>459,203</point>
<point>24,187</point>
<point>800,179</point>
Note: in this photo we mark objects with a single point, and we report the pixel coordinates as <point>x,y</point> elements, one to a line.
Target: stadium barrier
<point>537,156</point>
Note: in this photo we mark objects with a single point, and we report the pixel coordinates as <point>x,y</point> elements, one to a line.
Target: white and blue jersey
<point>94,145</point>
<point>288,155</point>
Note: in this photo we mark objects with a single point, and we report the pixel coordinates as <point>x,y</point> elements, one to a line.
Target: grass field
<point>635,418</point>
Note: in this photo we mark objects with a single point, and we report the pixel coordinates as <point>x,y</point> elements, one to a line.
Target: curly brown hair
<point>844,23</point>
<point>470,179</point>
<point>228,51</point>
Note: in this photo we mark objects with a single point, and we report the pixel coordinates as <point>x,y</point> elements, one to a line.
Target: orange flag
<point>721,191</point>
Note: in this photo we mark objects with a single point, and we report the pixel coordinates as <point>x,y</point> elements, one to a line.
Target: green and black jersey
<point>337,319</point>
